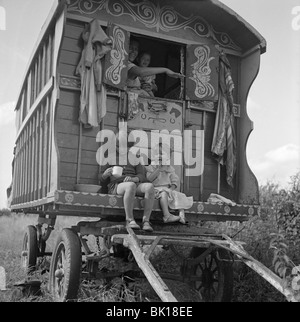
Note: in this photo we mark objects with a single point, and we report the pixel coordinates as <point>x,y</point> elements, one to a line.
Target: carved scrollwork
<point>151,15</point>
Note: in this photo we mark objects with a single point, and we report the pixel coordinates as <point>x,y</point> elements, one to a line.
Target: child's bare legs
<point>147,191</point>
<point>182,216</point>
<point>168,217</point>
<point>127,190</point>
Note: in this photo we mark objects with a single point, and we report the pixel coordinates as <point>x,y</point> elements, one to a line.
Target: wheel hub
<point>59,273</point>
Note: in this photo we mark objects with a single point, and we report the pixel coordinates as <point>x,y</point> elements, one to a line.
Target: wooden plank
<point>262,270</point>
<point>68,183</point>
<point>69,98</point>
<point>20,142</point>
<point>112,104</point>
<point>48,59</point>
<point>66,69</point>
<point>25,191</point>
<point>28,92</point>
<point>211,177</point>
<point>67,126</point>
<point>40,151</point>
<point>69,57</point>
<point>49,141</point>
<point>43,69</point>
<point>40,66</point>
<point>32,98</point>
<point>74,30</point>
<point>72,45</point>
<point>51,52</point>
<point>37,144</point>
<point>87,171</point>
<point>23,175</point>
<point>162,290</point>
<point>17,169</point>
<point>111,118</point>
<point>66,112</point>
<point>30,159</point>
<point>71,141</point>
<point>69,155</point>
<point>36,78</point>
<point>46,147</point>
<point>36,104</point>
<point>33,163</point>
<point>79,154</point>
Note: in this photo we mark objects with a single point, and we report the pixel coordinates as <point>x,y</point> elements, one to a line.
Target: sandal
<point>133,225</point>
<point>171,218</point>
<point>147,226</point>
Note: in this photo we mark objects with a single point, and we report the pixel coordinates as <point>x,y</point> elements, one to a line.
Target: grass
<point>248,286</point>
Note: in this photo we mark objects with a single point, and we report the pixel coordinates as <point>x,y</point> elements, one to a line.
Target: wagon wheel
<point>65,267</point>
<point>214,277</point>
<point>29,250</point>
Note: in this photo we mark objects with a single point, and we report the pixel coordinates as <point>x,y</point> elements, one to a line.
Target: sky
<point>273,149</point>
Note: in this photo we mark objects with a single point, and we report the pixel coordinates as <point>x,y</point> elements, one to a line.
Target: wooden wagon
<point>56,150</point>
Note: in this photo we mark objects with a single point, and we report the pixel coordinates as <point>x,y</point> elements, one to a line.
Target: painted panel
<point>116,61</point>
<point>157,115</point>
<point>202,73</point>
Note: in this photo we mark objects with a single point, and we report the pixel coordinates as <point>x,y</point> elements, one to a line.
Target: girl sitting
<point>165,182</point>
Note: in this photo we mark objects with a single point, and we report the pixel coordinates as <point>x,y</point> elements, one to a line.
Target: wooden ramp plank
<point>259,268</point>
<point>131,241</point>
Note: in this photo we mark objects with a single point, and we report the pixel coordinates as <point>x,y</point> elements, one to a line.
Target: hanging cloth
<point>224,138</point>
<point>93,92</point>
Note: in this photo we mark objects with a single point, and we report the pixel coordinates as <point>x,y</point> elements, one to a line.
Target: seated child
<point>147,82</point>
<point>165,182</point>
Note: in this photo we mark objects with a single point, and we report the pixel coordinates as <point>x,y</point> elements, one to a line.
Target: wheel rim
<point>209,278</point>
<point>59,272</point>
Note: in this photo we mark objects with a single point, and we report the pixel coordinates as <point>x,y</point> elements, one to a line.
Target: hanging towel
<point>93,92</point>
<point>224,138</point>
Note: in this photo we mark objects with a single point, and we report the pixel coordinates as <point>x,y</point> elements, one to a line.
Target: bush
<point>273,238</point>
<point>5,212</point>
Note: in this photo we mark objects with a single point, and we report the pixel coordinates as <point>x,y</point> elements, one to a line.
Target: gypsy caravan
<point>75,90</point>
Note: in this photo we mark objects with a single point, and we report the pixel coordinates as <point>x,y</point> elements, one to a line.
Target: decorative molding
<point>237,110</point>
<point>154,16</point>
<point>69,82</point>
<point>76,198</point>
<point>201,73</point>
<point>116,60</point>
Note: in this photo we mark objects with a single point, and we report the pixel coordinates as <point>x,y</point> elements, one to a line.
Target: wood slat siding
<point>67,133</point>
<point>67,125</point>
<point>31,169</point>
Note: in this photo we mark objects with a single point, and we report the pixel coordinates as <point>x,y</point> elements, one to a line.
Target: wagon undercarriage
<point>206,263</point>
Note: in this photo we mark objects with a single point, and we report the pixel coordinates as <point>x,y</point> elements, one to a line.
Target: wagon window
<point>199,62</point>
<point>163,54</point>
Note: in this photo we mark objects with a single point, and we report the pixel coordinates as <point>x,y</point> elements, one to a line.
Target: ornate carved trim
<point>237,110</point>
<point>161,18</point>
<point>69,82</point>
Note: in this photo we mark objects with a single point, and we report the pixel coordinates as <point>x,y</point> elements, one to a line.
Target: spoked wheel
<point>65,267</point>
<point>213,276</point>
<point>29,250</point>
